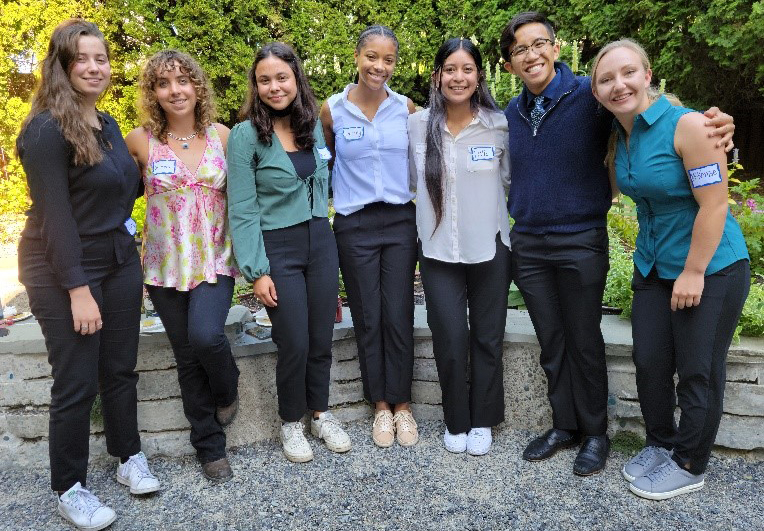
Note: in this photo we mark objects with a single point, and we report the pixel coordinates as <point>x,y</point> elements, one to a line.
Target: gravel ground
<point>423,487</point>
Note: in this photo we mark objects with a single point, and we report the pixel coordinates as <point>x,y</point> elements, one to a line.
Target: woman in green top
<point>277,204</point>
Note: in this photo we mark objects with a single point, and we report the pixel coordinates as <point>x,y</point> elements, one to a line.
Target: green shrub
<point>618,289</point>
<point>748,208</point>
<point>752,320</point>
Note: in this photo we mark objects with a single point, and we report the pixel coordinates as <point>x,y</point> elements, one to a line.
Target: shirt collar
<point>650,115</point>
<point>657,109</point>
<point>552,91</point>
<point>390,94</point>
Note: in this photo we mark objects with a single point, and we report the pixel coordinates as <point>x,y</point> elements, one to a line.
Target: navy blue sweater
<point>559,181</point>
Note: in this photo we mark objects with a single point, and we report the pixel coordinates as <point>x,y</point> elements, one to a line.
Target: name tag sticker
<point>482,153</point>
<point>705,175</point>
<point>130,226</point>
<point>352,133</point>
<point>324,153</point>
<point>163,167</point>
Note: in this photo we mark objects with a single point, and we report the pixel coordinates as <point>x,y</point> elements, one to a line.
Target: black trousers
<point>207,373</point>
<point>450,290</point>
<point>693,343</point>
<point>304,269</point>
<point>378,253</point>
<point>83,366</point>
<point>562,280</point>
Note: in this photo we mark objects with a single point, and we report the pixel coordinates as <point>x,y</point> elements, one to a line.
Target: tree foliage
<point>708,50</point>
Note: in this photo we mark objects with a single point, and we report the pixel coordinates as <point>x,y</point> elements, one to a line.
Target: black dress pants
<point>474,398</point>
<point>304,269</point>
<point>378,252</point>
<point>83,366</point>
<point>692,343</point>
<point>562,279</point>
<point>207,373</point>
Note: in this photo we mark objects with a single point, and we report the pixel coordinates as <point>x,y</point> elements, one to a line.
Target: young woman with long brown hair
<point>80,267</point>
<point>278,204</point>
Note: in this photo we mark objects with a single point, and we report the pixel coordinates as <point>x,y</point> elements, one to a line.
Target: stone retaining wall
<point>25,389</point>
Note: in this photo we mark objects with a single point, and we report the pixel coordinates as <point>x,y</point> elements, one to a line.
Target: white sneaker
<point>135,474</point>
<point>329,429</point>
<point>455,443</point>
<point>479,441</point>
<point>84,509</point>
<point>296,447</point>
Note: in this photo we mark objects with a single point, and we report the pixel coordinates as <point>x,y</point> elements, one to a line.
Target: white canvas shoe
<point>135,474</point>
<point>455,442</point>
<point>328,428</point>
<point>294,443</point>
<point>479,441</point>
<point>83,509</point>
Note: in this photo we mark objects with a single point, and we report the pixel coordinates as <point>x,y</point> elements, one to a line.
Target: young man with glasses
<point>559,199</point>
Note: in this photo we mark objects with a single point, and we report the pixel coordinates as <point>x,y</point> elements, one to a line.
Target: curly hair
<point>152,114</point>
<point>56,94</point>
<point>304,111</point>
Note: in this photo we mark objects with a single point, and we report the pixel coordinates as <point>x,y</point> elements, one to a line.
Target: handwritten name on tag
<point>482,153</point>
<point>705,175</point>
<point>324,153</point>
<point>352,133</point>
<point>130,226</point>
<point>163,167</point>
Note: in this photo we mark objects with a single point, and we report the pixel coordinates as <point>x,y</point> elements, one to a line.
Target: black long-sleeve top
<point>72,204</point>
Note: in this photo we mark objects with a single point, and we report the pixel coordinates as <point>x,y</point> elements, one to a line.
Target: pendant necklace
<point>183,139</point>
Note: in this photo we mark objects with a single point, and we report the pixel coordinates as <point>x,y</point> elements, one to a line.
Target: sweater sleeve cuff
<point>74,277</point>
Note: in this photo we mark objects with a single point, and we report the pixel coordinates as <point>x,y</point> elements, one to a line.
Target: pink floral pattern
<point>186,239</point>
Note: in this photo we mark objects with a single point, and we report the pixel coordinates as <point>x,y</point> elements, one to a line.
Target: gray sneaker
<point>666,481</point>
<point>645,462</point>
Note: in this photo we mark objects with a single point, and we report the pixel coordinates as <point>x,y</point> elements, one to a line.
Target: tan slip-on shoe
<point>383,428</point>
<point>405,428</point>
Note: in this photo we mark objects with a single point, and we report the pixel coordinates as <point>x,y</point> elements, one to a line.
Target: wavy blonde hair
<point>153,117</point>
<point>56,94</point>
<point>652,93</point>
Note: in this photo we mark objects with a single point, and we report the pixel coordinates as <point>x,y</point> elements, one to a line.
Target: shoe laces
<point>384,420</point>
<point>330,425</point>
<point>646,456</point>
<point>663,471</point>
<point>404,421</point>
<point>292,428</point>
<point>85,501</point>
<point>140,465</point>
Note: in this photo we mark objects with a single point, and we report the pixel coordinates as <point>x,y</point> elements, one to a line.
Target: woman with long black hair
<point>459,159</point>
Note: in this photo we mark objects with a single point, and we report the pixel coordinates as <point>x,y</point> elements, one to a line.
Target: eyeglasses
<point>536,46</point>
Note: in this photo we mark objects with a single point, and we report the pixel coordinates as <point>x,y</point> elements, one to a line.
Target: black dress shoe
<point>592,455</point>
<point>547,445</point>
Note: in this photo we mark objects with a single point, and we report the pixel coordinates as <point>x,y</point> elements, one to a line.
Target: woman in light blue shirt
<point>691,274</point>
<point>375,228</point>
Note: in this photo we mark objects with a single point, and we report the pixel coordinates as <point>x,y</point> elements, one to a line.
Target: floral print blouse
<point>186,239</point>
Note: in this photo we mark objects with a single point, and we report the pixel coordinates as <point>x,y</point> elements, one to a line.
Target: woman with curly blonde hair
<point>188,264</point>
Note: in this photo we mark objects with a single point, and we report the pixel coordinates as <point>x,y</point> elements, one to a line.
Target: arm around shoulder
<point>138,145</point>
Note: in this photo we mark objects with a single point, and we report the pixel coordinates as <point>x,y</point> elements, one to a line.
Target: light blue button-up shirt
<point>371,163</point>
<point>653,175</point>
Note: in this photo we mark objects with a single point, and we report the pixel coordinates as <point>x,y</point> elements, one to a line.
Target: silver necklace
<point>183,139</point>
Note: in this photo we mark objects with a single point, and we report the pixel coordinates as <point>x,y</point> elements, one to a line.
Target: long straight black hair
<point>304,108</point>
<point>434,167</point>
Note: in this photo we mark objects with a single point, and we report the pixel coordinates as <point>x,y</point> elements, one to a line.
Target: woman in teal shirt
<point>278,205</point>
<point>691,274</point>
